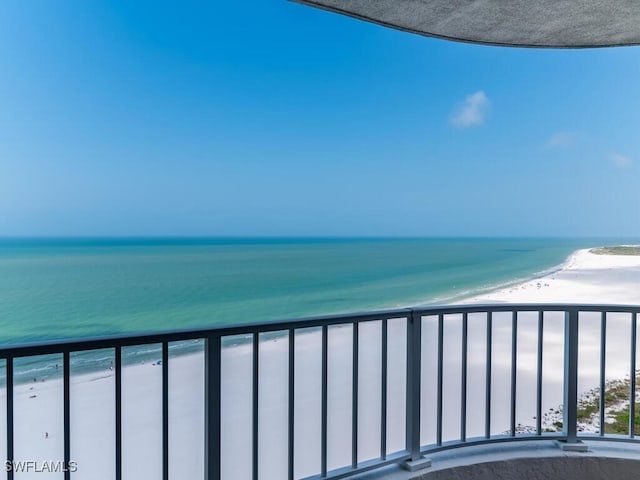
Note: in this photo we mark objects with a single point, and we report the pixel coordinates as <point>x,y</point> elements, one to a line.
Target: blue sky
<point>266,117</point>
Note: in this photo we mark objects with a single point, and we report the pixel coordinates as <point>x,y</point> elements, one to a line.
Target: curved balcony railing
<point>454,376</point>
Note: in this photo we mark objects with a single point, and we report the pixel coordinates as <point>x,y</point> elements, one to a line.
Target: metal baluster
<point>254,404</point>
<point>354,398</point>
<point>603,366</point>
<point>539,370</point>
<point>440,379</point>
<point>118,392</point>
<point>165,410</point>
<point>213,372</point>
<point>323,440</point>
<point>463,386</point>
<point>487,400</point>
<point>632,377</point>
<point>291,411</point>
<point>514,369</point>
<point>67,413</point>
<point>10,422</point>
<point>383,393</point>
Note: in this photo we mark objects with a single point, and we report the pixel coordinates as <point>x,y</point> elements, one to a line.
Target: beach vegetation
<point>617,250</point>
<point>616,410</point>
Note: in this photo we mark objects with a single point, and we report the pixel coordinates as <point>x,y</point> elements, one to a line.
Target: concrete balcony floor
<point>533,460</point>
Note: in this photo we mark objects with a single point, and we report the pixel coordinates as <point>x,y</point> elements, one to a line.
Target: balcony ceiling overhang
<point>518,23</point>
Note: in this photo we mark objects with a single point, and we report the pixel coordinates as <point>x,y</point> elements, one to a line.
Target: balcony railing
<point>468,375</point>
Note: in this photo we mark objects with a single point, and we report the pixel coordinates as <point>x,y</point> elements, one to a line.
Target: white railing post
<point>414,359</point>
<point>570,405</point>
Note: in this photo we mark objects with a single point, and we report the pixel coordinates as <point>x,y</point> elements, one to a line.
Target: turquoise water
<point>51,289</point>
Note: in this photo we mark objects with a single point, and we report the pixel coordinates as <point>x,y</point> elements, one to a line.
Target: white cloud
<point>472,111</point>
<point>620,161</point>
<point>563,140</point>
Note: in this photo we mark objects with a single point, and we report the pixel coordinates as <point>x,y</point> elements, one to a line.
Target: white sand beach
<point>585,278</point>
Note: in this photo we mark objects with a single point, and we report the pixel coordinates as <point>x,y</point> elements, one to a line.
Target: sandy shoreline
<point>585,278</point>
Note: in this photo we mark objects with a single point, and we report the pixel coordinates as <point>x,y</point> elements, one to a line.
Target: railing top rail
<point>525,307</point>
<point>132,339</point>
<point>223,330</point>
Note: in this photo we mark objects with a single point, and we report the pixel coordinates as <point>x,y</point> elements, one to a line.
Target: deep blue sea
<point>64,288</point>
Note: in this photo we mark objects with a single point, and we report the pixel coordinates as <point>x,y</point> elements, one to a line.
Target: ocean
<point>71,288</point>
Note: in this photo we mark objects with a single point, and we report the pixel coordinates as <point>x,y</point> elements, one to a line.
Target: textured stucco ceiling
<point>525,23</point>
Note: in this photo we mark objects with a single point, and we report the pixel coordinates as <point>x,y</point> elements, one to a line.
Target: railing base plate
<point>419,464</point>
<point>572,446</point>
